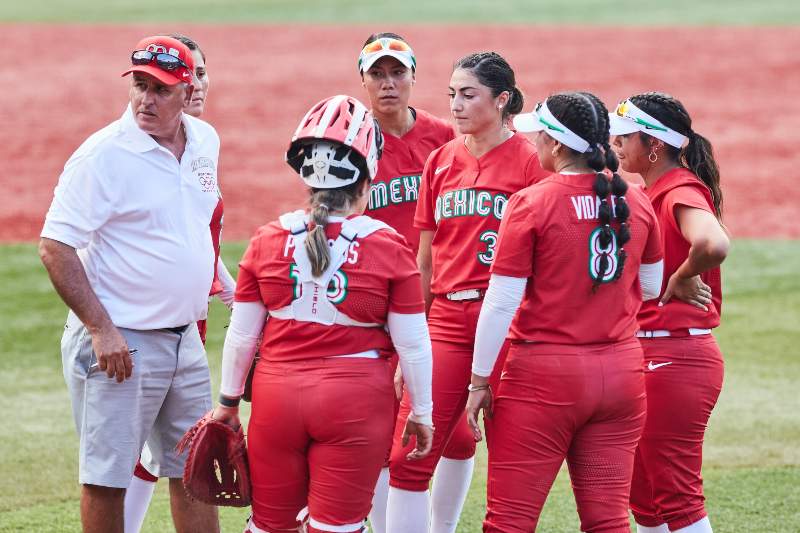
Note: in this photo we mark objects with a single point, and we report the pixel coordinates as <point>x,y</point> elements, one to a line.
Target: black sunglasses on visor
<point>163,60</point>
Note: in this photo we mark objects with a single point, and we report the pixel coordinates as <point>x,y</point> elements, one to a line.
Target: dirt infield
<point>61,83</point>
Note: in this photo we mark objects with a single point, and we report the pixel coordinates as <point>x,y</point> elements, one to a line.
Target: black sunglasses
<point>163,60</point>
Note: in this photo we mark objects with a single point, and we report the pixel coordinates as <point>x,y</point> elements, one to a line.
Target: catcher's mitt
<point>216,470</point>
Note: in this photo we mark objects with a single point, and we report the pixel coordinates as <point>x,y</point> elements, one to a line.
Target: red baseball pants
<point>318,435</point>
<point>683,377</point>
<point>583,403</point>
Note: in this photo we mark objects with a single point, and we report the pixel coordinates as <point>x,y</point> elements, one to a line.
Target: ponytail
<point>319,254</point>
<point>323,202</point>
<point>698,156</point>
<point>516,101</point>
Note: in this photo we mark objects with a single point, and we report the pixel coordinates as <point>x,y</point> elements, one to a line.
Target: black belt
<point>179,330</point>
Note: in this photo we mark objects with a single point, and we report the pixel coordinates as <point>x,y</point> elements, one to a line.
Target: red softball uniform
<point>462,199</point>
<point>675,188</point>
<point>379,275</point>
<point>679,370</point>
<point>333,415</point>
<point>550,233</point>
<point>394,192</point>
<point>573,386</point>
<point>216,238</point>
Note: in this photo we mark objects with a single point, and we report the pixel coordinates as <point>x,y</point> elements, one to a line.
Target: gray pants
<point>170,390</point>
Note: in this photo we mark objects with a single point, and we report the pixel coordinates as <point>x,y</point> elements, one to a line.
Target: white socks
<point>377,516</point>
<point>644,529</point>
<point>137,500</point>
<point>407,511</point>
<point>701,526</point>
<point>450,487</point>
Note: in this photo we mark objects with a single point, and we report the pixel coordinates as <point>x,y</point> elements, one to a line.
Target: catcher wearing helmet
<point>340,289</point>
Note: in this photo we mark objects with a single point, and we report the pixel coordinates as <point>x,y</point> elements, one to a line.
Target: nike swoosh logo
<point>651,366</point>
<point>440,169</point>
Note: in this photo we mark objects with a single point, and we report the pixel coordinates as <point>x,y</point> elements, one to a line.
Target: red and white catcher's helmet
<point>335,140</point>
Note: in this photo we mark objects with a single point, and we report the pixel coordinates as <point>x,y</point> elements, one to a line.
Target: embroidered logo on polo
<point>397,190</point>
<point>337,287</point>
<point>206,172</point>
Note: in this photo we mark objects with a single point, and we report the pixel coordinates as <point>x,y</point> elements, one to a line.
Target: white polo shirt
<point>139,220</point>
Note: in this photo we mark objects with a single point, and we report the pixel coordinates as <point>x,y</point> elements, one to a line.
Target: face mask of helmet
<point>327,165</point>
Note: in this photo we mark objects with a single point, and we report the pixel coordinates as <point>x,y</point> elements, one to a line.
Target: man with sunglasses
<point>127,247</point>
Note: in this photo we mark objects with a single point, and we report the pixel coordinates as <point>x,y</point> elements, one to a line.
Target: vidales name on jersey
<point>397,190</point>
<point>587,207</point>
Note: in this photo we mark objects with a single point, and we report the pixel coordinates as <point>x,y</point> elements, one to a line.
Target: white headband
<point>628,118</point>
<point>541,119</point>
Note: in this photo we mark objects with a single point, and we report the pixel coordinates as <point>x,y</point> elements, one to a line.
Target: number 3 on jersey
<point>337,287</point>
<point>489,237</point>
<point>596,252</point>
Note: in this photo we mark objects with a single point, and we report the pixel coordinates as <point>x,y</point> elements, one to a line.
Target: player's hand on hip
<point>690,290</point>
<point>477,400</point>
<point>227,415</point>
<point>424,439</point>
<point>398,383</point>
<point>113,355</point>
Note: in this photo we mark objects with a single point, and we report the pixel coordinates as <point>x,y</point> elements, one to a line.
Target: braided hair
<point>587,117</point>
<point>495,73</point>
<point>698,155</point>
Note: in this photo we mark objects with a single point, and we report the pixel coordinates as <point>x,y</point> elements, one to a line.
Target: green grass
<point>621,12</point>
<point>751,456</point>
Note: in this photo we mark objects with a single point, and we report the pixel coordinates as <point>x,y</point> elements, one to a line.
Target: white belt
<point>369,354</point>
<point>666,333</point>
<point>466,294</point>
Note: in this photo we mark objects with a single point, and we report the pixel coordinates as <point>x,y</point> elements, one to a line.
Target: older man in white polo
<point>127,247</point>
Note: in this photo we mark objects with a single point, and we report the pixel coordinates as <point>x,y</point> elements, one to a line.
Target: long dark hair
<point>587,117</point>
<point>698,155</point>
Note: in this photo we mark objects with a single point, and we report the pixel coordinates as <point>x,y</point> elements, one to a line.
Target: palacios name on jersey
<point>470,202</point>
<point>395,191</point>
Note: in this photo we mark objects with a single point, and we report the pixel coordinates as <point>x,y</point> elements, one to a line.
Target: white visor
<point>383,47</point>
<point>628,118</point>
<point>541,119</point>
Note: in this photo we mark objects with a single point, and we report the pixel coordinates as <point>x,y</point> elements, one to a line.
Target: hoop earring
<point>653,157</point>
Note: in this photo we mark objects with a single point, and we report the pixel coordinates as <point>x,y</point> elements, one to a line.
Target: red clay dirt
<point>61,83</point>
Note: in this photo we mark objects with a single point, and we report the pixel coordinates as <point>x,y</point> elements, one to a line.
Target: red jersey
<point>379,275</point>
<point>462,199</point>
<point>394,191</point>
<point>550,235</point>
<point>216,239</point>
<point>680,187</point>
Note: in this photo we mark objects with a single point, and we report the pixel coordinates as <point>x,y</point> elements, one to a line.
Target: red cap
<point>167,45</point>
